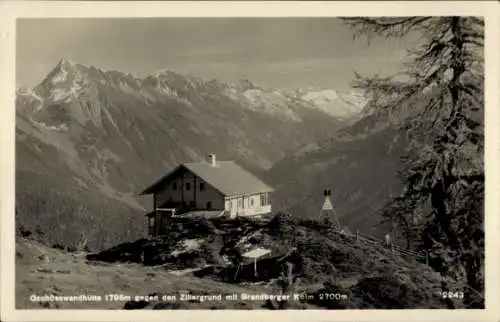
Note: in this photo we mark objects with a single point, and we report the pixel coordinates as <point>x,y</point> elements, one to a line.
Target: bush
<point>283,226</point>
<point>384,292</point>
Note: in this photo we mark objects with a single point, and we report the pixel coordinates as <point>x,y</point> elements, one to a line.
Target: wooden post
<point>255,267</point>
<point>357,236</point>
<point>155,215</point>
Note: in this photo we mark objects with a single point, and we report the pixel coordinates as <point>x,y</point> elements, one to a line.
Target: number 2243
<point>452,295</point>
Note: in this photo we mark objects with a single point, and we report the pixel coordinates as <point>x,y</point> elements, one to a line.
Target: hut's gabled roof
<point>226,176</point>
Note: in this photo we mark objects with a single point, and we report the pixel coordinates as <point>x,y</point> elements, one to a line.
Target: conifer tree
<point>439,106</point>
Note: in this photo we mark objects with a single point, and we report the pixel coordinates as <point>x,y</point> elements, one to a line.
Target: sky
<point>285,53</point>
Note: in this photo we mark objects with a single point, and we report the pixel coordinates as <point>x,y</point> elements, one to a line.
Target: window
<point>202,186</point>
<point>188,185</point>
<point>209,205</point>
<point>264,199</point>
<point>174,185</point>
<point>251,201</point>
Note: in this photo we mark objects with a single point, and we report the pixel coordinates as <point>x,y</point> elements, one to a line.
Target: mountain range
<point>88,140</point>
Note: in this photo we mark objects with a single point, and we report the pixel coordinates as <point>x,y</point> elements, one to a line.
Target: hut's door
<point>160,223</point>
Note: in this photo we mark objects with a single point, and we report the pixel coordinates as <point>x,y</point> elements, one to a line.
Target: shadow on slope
<point>361,173</point>
<point>73,217</point>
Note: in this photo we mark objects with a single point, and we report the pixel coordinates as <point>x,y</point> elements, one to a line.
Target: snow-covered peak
<point>322,96</point>
<point>66,81</point>
<point>338,104</point>
<point>245,84</point>
<point>61,71</point>
<point>162,73</point>
<point>170,74</point>
<point>274,103</point>
<point>169,79</point>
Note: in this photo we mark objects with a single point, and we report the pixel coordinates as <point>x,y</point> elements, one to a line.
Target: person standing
<point>388,242</point>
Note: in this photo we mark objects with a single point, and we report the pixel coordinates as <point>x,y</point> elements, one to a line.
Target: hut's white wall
<point>248,205</point>
<point>187,187</point>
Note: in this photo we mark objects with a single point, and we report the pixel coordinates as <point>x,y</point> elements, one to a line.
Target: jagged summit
<point>67,69</point>
<point>169,81</point>
<point>167,72</point>
<point>66,62</point>
<point>246,84</point>
<point>63,67</point>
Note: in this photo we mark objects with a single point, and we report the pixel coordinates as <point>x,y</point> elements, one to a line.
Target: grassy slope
<point>41,270</point>
<point>370,275</point>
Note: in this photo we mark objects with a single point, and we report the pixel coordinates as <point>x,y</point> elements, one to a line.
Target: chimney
<point>212,159</point>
